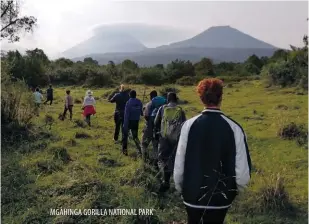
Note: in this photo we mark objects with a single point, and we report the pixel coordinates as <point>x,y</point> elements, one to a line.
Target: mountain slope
<point>222,43</point>
<point>151,57</point>
<point>126,37</point>
<point>222,37</point>
<point>106,42</point>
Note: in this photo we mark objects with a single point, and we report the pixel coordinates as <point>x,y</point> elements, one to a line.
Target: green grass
<point>37,177</point>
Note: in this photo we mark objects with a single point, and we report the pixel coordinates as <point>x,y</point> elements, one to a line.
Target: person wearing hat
<point>88,106</point>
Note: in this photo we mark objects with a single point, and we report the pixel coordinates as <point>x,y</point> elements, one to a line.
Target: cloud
<point>64,23</point>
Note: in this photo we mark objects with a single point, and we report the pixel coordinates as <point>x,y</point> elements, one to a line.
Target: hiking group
<point>207,155</point>
<point>88,105</point>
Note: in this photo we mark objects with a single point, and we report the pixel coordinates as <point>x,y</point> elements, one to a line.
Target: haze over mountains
<point>117,43</point>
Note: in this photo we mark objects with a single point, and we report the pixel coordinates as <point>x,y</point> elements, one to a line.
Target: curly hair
<point>210,91</point>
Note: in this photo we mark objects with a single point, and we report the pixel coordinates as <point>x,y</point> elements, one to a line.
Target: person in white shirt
<point>38,97</point>
<point>88,106</point>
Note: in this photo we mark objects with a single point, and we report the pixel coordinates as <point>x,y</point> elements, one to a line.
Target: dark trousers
<point>118,118</point>
<point>148,136</point>
<point>209,216</point>
<point>70,109</point>
<point>133,127</point>
<point>166,158</point>
<point>49,100</point>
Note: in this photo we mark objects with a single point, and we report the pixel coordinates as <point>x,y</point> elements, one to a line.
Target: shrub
<point>273,196</point>
<point>132,79</point>
<point>152,76</point>
<point>16,103</point>
<point>99,78</point>
<point>292,131</point>
<point>166,89</point>
<point>187,81</point>
<point>280,73</point>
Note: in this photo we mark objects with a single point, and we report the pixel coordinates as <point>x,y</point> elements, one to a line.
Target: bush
<point>280,73</point>
<point>99,78</point>
<point>187,81</point>
<point>273,196</point>
<point>166,89</point>
<point>152,76</point>
<point>296,132</point>
<point>291,131</point>
<point>132,79</point>
<point>17,103</point>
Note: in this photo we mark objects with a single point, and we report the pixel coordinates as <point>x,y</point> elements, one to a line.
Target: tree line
<point>284,68</point>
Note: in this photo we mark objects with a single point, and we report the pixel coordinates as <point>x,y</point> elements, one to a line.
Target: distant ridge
<point>220,43</point>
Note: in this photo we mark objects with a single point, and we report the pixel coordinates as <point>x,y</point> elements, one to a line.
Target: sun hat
<point>89,92</point>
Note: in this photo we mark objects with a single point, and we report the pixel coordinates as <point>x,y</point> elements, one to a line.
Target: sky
<point>65,23</point>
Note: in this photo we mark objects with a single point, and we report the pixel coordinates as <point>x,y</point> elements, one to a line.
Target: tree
<point>255,60</point>
<point>11,22</point>
<point>179,68</point>
<point>129,65</point>
<point>204,67</point>
<point>63,62</point>
<point>280,54</point>
<point>89,60</point>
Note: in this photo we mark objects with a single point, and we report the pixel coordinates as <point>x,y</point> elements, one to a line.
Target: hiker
<point>120,99</point>
<point>169,119</point>
<point>149,135</point>
<point>132,113</point>
<point>212,161</point>
<point>49,95</point>
<point>88,106</point>
<point>38,97</point>
<point>68,105</point>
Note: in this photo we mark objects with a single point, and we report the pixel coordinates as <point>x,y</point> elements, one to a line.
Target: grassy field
<point>74,166</point>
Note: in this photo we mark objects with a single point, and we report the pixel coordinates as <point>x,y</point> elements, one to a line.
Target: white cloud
<point>64,23</point>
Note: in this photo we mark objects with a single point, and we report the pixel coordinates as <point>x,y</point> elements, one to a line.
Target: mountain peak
<point>223,37</point>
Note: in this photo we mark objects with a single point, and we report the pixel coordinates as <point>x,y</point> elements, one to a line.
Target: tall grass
<point>16,103</point>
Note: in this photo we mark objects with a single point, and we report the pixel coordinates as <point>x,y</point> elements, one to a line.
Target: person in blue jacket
<point>133,112</point>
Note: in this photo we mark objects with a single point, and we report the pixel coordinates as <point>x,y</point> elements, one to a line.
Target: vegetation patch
<point>282,107</point>
<point>80,123</point>
<point>71,142</point>
<point>60,153</point>
<point>293,131</point>
<point>146,177</point>
<point>166,89</point>
<point>81,134</point>
<point>48,166</point>
<point>77,101</point>
<point>273,196</point>
<point>108,162</point>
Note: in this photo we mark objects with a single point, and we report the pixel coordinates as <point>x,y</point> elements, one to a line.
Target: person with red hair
<point>212,161</point>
